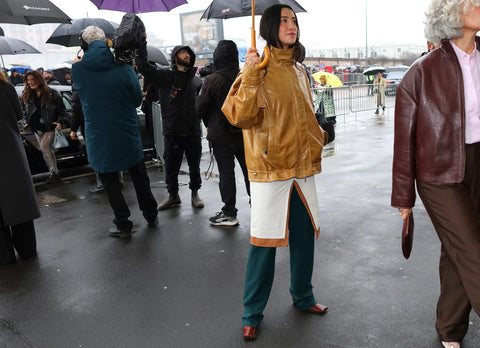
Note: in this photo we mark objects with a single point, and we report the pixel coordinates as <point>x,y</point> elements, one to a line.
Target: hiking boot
<point>376,112</point>
<point>220,219</point>
<point>173,200</point>
<point>196,201</point>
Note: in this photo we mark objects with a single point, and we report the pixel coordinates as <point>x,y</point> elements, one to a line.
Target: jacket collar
<point>448,50</point>
<point>280,57</point>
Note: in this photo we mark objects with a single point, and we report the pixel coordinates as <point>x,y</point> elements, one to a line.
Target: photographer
<point>179,88</point>
<point>109,93</point>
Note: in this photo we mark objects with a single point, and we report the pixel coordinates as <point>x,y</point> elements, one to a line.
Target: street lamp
<point>366,35</point>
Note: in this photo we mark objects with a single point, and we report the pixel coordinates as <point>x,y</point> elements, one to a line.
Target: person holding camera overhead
<point>110,93</point>
<point>179,88</point>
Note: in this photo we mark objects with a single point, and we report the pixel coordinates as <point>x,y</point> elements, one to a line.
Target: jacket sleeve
<point>59,106</point>
<point>404,162</point>
<point>161,77</point>
<point>246,98</point>
<point>204,102</point>
<point>17,109</point>
<point>77,113</point>
<point>135,89</point>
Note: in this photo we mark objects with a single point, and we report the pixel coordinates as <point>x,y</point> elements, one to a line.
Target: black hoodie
<point>215,90</point>
<point>178,93</point>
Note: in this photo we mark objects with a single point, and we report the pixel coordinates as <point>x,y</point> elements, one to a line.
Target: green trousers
<point>261,267</point>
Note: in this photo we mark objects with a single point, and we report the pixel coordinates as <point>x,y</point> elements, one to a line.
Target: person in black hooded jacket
<point>226,140</point>
<point>178,90</point>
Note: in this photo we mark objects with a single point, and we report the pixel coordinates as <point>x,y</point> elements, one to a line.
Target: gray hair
<point>444,19</point>
<point>92,33</point>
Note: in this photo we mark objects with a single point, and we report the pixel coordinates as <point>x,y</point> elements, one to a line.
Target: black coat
<point>18,201</point>
<point>177,102</point>
<point>51,111</point>
<point>213,93</point>
<point>78,122</point>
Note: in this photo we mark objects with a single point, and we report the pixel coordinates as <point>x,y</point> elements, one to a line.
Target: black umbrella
<point>155,55</point>
<point>11,46</point>
<point>31,12</point>
<point>373,70</point>
<point>224,9</point>
<point>69,34</point>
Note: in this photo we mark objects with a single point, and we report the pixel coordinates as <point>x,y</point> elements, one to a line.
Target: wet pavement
<point>180,284</point>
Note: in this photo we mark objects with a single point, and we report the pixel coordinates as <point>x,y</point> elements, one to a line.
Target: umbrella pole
<point>3,64</point>
<point>253,40</point>
<point>266,51</point>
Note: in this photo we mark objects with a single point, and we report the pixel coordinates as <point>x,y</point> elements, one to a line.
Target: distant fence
<point>354,98</point>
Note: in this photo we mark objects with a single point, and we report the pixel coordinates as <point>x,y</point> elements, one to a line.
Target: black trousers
<point>19,237</point>
<point>141,183</point>
<point>225,156</point>
<point>175,147</point>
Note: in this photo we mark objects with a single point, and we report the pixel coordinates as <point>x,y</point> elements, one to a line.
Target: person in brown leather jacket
<point>437,145</point>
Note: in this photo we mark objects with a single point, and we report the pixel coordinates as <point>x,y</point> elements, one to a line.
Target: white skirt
<point>271,202</point>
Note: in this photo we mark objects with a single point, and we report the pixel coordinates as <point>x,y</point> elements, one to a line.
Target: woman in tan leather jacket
<point>437,145</point>
<point>283,151</point>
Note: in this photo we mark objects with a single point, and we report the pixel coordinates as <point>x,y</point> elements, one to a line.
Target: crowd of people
<point>251,117</point>
<point>61,76</point>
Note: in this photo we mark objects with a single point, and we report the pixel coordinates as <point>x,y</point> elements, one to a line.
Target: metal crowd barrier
<point>158,130</point>
<point>354,98</point>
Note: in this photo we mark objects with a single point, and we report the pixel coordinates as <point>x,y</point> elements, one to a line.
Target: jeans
<point>46,146</point>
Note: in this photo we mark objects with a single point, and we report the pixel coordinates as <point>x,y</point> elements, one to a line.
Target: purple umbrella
<point>138,6</point>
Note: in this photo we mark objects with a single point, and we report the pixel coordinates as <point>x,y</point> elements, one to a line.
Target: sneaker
<point>97,189</point>
<point>53,178</point>
<point>223,220</point>
<point>116,233</point>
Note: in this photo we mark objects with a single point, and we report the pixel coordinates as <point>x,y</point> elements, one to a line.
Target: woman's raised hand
<point>252,57</point>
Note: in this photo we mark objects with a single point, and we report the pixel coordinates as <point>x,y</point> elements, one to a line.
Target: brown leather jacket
<point>274,108</point>
<point>429,125</point>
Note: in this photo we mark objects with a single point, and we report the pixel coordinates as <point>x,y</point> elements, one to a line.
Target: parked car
<point>393,79</point>
<point>75,154</point>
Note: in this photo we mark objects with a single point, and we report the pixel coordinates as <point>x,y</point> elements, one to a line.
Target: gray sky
<point>328,23</point>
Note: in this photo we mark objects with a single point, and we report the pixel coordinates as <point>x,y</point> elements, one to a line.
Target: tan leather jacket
<point>274,108</point>
<point>429,125</point>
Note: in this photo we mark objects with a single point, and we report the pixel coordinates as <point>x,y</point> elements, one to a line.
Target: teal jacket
<point>110,94</point>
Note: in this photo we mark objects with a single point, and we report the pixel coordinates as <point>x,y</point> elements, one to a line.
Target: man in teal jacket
<point>109,93</point>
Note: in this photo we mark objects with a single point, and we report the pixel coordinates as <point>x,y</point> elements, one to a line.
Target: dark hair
<point>42,86</point>
<point>270,26</point>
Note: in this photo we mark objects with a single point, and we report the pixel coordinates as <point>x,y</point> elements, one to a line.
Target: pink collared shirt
<point>470,65</point>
